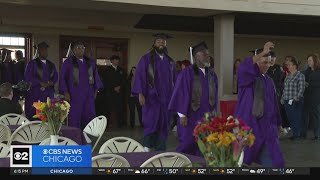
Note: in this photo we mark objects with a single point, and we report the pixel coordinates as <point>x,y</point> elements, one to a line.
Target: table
<point>73,133</point>
<point>135,159</point>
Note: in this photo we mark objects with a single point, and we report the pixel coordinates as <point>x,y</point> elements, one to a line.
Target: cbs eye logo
<point>21,157</point>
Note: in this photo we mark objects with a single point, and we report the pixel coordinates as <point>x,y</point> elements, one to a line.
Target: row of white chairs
<point>167,159</point>
<point>35,132</point>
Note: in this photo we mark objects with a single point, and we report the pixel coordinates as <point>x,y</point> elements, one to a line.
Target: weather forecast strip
<point>201,171</point>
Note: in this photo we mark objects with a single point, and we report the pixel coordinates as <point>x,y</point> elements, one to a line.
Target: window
<point>13,43</point>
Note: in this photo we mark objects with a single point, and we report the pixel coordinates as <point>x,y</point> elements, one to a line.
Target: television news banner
<point>76,160</point>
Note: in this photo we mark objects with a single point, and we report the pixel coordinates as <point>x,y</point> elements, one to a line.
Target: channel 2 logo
<point>21,156</point>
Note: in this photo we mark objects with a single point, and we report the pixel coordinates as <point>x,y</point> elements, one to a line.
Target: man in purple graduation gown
<point>257,106</point>
<point>195,93</point>
<point>42,75</point>
<point>80,82</point>
<point>153,84</point>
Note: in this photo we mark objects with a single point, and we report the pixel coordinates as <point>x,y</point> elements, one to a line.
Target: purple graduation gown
<point>82,104</point>
<point>181,102</point>
<point>155,114</point>
<point>35,93</point>
<point>266,128</point>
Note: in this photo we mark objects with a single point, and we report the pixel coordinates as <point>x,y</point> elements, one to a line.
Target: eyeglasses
<point>81,47</point>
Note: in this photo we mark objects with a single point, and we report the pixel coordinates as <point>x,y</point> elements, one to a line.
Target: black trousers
<point>133,104</point>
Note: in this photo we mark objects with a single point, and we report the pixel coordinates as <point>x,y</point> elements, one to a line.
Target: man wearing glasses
<point>79,82</point>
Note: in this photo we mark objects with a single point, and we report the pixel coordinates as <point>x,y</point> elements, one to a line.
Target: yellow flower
<point>39,105</point>
<point>225,139</point>
<point>213,137</point>
<point>48,102</point>
<point>251,139</point>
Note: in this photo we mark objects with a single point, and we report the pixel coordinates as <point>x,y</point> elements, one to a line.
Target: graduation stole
<point>258,99</point>
<point>151,68</point>
<point>197,88</point>
<point>76,73</point>
<point>39,74</point>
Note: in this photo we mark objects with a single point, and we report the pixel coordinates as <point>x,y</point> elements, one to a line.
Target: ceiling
<point>163,18</point>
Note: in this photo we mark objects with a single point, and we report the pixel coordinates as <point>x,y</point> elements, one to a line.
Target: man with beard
<point>42,75</point>
<point>257,106</point>
<point>79,82</point>
<point>153,84</point>
<point>195,93</point>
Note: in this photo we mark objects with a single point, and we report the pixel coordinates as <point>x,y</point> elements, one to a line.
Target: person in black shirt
<point>114,81</point>
<point>276,73</point>
<point>133,101</point>
<point>6,103</point>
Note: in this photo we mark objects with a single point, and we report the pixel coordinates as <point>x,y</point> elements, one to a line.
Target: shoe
<point>146,149</point>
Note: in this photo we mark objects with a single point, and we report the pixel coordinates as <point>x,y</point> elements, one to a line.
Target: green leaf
<point>202,146</point>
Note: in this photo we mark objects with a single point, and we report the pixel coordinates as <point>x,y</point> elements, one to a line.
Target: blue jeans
<point>294,113</point>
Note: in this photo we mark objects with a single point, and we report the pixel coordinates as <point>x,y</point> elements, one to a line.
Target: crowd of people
<point>271,98</point>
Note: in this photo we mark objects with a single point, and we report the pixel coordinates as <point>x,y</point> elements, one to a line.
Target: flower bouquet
<point>221,140</point>
<point>54,112</point>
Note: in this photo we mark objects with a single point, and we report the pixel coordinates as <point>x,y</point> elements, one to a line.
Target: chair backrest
<point>96,128</point>
<point>168,159</point>
<point>61,141</point>
<point>121,145</point>
<point>13,119</point>
<point>109,160</point>
<point>30,133</point>
<point>4,150</point>
<point>5,133</point>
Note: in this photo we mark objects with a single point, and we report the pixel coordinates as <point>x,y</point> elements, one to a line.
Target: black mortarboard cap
<point>43,45</point>
<point>162,36</point>
<point>199,47</point>
<point>258,51</point>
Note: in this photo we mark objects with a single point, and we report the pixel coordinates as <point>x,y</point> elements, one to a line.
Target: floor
<point>298,153</point>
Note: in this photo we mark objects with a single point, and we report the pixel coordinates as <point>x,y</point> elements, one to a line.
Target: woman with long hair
<point>312,98</point>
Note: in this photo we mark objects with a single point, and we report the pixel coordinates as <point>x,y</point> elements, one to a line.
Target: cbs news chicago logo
<point>21,156</point>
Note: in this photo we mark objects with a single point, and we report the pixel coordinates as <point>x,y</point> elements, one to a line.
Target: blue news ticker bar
<point>62,171</point>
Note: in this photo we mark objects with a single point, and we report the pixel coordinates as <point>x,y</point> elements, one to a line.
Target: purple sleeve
<point>181,96</point>
<point>63,80</point>
<point>247,72</point>
<point>30,74</point>
<point>140,80</point>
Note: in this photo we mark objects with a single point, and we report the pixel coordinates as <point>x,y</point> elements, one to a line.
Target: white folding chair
<point>96,128</point>
<point>168,159</point>
<point>121,145</point>
<point>109,160</point>
<point>5,133</point>
<point>64,141</point>
<point>4,150</point>
<point>30,133</point>
<point>13,119</point>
